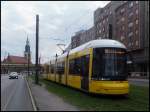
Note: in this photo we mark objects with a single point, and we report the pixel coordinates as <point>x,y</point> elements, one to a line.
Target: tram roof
<point>95,44</point>
<point>99,44</point>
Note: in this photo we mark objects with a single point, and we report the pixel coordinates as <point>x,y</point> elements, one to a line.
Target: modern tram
<point>98,66</point>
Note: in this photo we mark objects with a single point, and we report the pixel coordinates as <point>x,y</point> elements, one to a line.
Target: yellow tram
<point>98,66</point>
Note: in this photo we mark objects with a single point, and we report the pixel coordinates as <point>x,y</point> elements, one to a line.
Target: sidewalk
<point>46,101</point>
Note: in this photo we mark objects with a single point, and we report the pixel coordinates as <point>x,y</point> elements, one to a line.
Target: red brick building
<point>15,60</point>
<point>17,63</point>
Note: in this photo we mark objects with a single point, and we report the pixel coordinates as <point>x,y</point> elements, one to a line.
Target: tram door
<point>85,72</point>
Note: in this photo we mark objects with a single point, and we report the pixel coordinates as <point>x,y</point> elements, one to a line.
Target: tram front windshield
<point>109,64</point>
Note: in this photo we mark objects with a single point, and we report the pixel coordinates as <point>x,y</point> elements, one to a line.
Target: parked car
<point>13,75</point>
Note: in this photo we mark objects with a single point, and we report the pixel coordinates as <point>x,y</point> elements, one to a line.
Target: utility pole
<point>39,64</point>
<point>37,42</point>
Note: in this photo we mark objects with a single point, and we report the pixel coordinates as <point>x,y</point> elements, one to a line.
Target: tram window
<point>85,65</point>
<point>74,66</point>
<point>109,63</point>
<point>60,68</point>
<point>52,68</point>
<point>47,69</point>
<point>79,66</point>
<point>97,63</point>
<point>71,66</point>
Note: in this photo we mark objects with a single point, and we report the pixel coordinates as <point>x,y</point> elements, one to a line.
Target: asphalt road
<point>139,82</point>
<point>15,94</point>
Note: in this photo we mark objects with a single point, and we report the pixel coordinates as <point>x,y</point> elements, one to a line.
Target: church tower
<point>27,50</point>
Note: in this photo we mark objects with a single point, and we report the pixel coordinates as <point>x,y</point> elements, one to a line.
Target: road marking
<point>9,99</point>
<point>32,100</point>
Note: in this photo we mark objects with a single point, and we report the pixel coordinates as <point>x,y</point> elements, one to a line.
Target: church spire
<point>27,42</point>
<point>27,53</point>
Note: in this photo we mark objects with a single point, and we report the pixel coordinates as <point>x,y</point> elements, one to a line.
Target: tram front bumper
<point>110,87</point>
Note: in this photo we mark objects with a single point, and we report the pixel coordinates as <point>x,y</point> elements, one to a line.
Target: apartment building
<point>127,22</point>
<point>132,22</point>
<point>104,20</point>
<point>82,37</point>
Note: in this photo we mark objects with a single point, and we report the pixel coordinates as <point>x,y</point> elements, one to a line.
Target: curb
<point>32,100</point>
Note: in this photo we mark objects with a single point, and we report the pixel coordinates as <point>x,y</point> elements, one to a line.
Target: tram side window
<point>47,69</point>
<point>71,66</point>
<point>74,66</point>
<point>98,65</point>
<point>52,69</point>
<point>60,68</point>
<point>84,65</point>
<point>79,66</point>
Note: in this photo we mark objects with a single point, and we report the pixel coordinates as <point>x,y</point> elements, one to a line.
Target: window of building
<point>99,31</point>
<point>122,10</point>
<point>103,29</point>
<point>123,28</point>
<point>131,4</point>
<point>97,26</point>
<point>107,35</point>
<point>136,11</point>
<point>100,24</point>
<point>122,19</point>
<point>136,21</point>
<point>122,38</point>
<point>130,34</point>
<point>136,32</point>
<point>129,45</point>
<point>110,12</point>
<point>107,19</point>
<point>130,24</point>
<point>136,43</point>
<point>104,21</point>
<point>131,14</point>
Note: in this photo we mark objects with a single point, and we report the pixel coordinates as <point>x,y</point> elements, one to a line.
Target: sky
<point>58,21</point>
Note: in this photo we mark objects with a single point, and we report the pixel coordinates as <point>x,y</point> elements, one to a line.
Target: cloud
<point>57,19</point>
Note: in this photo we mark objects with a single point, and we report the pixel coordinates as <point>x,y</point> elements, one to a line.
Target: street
<point>15,94</point>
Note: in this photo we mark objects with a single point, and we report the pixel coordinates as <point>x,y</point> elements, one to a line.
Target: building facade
<point>132,30</point>
<point>127,22</point>
<point>82,37</point>
<point>75,40</point>
<point>104,20</point>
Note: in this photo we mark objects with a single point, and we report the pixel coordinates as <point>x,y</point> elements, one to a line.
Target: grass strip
<point>138,99</point>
